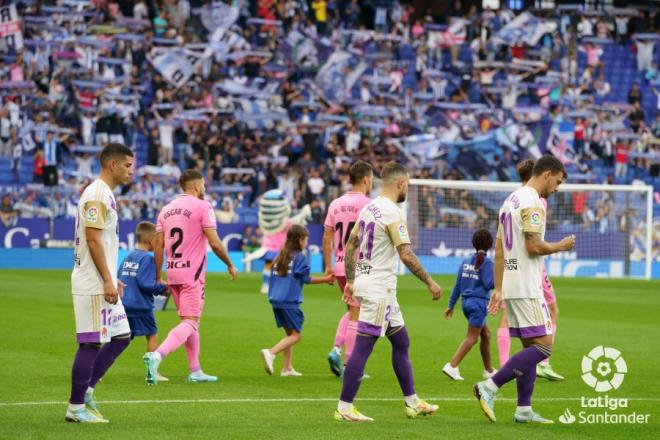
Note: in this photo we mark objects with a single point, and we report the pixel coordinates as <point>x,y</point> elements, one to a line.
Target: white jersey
<point>380,228</point>
<point>97,209</point>
<point>521,212</point>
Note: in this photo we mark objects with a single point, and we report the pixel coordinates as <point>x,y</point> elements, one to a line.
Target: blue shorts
<point>475,310</point>
<point>291,319</point>
<point>143,325</point>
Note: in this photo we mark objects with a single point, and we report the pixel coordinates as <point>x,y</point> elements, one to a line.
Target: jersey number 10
<point>507,230</point>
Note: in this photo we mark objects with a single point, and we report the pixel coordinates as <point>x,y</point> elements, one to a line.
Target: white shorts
<point>98,321</point>
<point>377,314</point>
<point>528,317</point>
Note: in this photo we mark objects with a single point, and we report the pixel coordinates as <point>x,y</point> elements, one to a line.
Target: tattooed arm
<point>413,264</point>
<point>349,258</point>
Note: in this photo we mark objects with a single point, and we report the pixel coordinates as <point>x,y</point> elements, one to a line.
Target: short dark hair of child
<point>143,231</point>
<point>482,241</point>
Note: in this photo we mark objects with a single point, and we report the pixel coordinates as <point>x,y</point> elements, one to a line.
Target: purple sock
<point>400,359</point>
<point>524,360</point>
<point>81,372</point>
<point>106,357</point>
<point>355,367</point>
<point>525,385</point>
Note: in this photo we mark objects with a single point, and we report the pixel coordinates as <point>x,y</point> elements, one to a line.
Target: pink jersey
<point>182,223</point>
<point>342,215</point>
<point>275,242</point>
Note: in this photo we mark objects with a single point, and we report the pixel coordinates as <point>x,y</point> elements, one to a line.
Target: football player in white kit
<point>519,251</point>
<point>378,240</point>
<point>102,329</point>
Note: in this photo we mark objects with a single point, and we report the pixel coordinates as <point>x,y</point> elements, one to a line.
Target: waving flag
<point>524,29</point>
<point>338,75</point>
<point>10,27</point>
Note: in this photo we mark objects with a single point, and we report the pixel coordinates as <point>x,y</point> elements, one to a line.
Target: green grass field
<point>38,343</point>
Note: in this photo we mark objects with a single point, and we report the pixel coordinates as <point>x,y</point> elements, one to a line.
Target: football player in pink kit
<point>339,222</point>
<point>543,368</point>
<point>183,229</point>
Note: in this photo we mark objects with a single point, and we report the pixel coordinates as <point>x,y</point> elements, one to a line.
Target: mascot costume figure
<point>275,221</point>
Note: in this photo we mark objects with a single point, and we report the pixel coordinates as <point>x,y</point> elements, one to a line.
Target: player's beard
<point>200,196</point>
<point>402,197</point>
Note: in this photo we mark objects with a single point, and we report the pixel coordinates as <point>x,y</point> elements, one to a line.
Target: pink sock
<point>503,344</point>
<point>192,351</point>
<point>351,334</point>
<point>177,337</point>
<point>554,334</point>
<point>340,336</point>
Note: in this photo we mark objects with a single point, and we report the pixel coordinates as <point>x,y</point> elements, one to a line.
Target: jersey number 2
<point>178,232</point>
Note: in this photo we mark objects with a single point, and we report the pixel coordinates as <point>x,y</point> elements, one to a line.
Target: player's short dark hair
<point>189,176</point>
<point>359,170</point>
<point>143,230</point>
<point>114,151</point>
<point>549,163</point>
<point>392,170</point>
<point>525,169</point>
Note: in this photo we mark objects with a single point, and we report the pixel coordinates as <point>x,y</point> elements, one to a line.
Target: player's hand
<point>110,292</point>
<point>435,289</point>
<point>495,303</point>
<point>567,242</point>
<point>449,313</point>
<point>348,293</point>
<point>328,271</point>
<point>233,273</point>
<point>120,288</point>
<point>330,278</point>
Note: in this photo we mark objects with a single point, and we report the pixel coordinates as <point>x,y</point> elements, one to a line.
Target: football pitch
<point>38,344</point>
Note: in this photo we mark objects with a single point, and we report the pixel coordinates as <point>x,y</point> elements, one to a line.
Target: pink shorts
<point>341,282</point>
<point>189,298</point>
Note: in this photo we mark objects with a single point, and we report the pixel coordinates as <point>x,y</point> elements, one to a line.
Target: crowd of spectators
<point>88,75</point>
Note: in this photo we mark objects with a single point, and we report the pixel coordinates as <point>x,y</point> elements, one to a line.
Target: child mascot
<point>275,220</point>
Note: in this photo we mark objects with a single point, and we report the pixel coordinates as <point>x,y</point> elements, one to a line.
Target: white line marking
<point>301,399</point>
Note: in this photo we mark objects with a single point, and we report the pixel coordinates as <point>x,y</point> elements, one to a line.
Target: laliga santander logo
<point>603,369</point>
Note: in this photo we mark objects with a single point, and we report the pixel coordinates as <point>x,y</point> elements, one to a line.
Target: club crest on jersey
<point>535,219</point>
<point>92,214</point>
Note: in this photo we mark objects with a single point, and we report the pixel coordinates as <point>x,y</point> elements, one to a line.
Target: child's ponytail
<point>482,242</point>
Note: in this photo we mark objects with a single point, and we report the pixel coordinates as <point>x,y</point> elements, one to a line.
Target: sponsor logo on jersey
<point>92,214</point>
<point>211,215</point>
<point>535,219</point>
<point>511,264</point>
<point>178,265</point>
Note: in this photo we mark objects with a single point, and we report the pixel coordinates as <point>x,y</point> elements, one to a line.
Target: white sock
<point>412,400</point>
<point>491,385</point>
<point>76,407</point>
<point>90,390</point>
<point>158,356</point>
<point>523,409</point>
<point>344,406</point>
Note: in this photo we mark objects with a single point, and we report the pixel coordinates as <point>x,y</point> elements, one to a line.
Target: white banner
<point>177,65</point>
<point>218,15</point>
<point>10,27</point>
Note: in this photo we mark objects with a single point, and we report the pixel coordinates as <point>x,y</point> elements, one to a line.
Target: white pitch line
<point>301,399</point>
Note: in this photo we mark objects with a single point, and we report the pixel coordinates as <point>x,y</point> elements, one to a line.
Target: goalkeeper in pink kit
<point>543,368</point>
<point>183,229</point>
<point>342,216</point>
